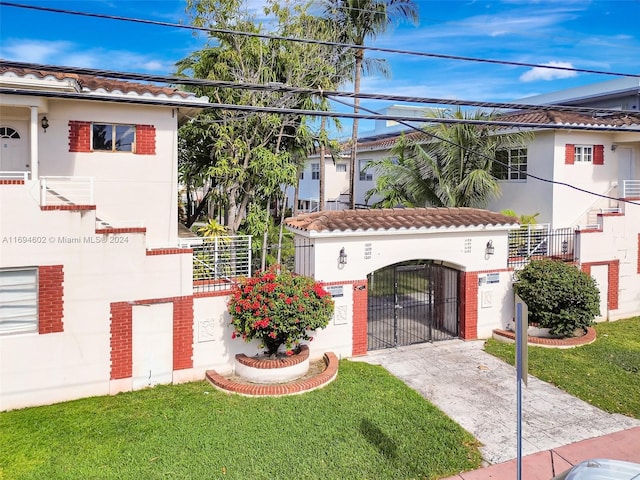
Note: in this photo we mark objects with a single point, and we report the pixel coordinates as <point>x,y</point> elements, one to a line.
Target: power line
<point>281,88</point>
<point>316,42</point>
<point>316,113</point>
<point>475,152</point>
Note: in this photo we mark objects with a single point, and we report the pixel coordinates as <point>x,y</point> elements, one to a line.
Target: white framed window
<point>8,132</point>
<point>315,171</point>
<point>365,176</point>
<point>510,164</point>
<point>301,175</point>
<point>341,167</point>
<point>18,300</point>
<point>113,137</point>
<point>583,154</point>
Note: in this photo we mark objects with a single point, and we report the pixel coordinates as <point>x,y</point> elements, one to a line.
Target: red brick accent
<point>267,364</point>
<point>182,333</point>
<point>145,140</point>
<point>588,337</point>
<point>613,279</point>
<point>121,230</point>
<point>68,207</point>
<point>359,318</point>
<point>469,305</point>
<point>79,136</point>
<point>11,182</point>
<point>169,251</point>
<point>121,340</point>
<point>569,154</point>
<point>292,388</point>
<point>598,154</point>
<point>50,299</point>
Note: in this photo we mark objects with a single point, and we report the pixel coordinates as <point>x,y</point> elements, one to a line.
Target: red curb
<point>569,342</point>
<point>265,363</point>
<point>257,390</point>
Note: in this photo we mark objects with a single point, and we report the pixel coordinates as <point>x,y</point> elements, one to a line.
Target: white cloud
<point>33,51</point>
<point>541,73</point>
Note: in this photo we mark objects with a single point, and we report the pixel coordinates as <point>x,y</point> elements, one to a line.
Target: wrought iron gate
<point>412,302</point>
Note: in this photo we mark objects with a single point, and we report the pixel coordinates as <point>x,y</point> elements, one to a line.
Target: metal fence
<point>540,241</point>
<point>218,261</point>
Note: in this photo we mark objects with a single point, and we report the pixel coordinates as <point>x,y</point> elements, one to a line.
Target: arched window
<point>8,132</point>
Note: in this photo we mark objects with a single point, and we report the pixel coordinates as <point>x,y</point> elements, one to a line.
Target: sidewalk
<point>624,445</point>
<point>478,391</point>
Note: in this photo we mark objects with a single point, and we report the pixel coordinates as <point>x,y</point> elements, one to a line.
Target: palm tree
<point>453,167</point>
<point>357,21</point>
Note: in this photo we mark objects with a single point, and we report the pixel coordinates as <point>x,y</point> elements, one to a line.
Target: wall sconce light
<point>614,147</point>
<point>45,123</point>
<point>490,250</point>
<point>342,258</point>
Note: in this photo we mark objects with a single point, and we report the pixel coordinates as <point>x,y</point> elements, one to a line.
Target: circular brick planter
<point>231,384</point>
<point>267,370</point>
<point>508,336</point>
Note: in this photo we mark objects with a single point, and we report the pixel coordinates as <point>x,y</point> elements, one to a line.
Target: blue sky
<point>599,35</point>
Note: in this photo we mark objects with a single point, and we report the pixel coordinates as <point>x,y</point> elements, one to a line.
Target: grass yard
<point>365,425</point>
<point>605,373</point>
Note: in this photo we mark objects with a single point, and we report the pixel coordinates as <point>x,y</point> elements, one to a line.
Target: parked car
<point>602,469</point>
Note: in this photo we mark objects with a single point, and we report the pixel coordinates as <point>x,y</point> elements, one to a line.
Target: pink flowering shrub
<point>278,308</point>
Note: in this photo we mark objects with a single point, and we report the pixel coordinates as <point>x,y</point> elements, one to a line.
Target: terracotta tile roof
<point>571,118</point>
<point>92,83</point>
<point>396,219</point>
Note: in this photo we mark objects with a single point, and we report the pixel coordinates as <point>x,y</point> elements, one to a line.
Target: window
<point>315,171</point>
<point>301,175</point>
<point>8,132</point>
<point>510,164</point>
<point>113,137</point>
<point>341,167</point>
<point>18,300</point>
<point>583,153</point>
<point>364,175</point>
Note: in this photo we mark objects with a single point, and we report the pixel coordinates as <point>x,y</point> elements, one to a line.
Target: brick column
<point>50,299</point>
<point>121,340</point>
<point>469,305</point>
<point>182,333</point>
<point>359,318</point>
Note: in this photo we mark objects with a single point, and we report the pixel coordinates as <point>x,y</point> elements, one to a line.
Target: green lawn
<point>605,373</point>
<point>365,425</point>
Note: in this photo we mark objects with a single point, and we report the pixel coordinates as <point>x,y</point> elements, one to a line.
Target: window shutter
<point>569,154</point>
<point>598,154</point>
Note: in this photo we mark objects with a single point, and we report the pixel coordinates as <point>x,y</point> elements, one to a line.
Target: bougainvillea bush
<point>279,308</point>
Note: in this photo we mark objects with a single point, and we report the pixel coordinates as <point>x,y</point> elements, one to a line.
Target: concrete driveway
<point>478,391</point>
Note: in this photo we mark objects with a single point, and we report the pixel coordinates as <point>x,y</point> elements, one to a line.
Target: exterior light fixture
<point>45,123</point>
<point>342,258</point>
<point>490,250</point>
<point>614,147</point>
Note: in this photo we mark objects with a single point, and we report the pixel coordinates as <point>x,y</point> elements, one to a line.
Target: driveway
<point>478,391</point>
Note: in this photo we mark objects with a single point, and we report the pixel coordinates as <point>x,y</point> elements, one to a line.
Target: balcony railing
<point>14,175</point>
<point>217,261</point>
<point>540,241</point>
<point>631,189</point>
<point>66,191</point>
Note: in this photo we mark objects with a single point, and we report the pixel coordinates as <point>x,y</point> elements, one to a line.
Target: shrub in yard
<point>279,308</point>
<point>559,296</point>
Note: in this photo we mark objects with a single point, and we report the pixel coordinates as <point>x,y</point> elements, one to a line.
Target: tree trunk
<point>265,236</point>
<point>321,183</point>
<point>354,130</point>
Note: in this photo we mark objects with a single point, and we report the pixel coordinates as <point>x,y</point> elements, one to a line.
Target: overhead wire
<point>315,41</point>
<point>475,152</point>
<point>279,87</point>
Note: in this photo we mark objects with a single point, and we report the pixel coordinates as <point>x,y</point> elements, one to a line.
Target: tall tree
<point>357,21</point>
<point>250,155</point>
<point>451,166</point>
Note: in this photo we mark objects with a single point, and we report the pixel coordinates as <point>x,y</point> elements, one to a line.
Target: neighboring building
<point>89,237</point>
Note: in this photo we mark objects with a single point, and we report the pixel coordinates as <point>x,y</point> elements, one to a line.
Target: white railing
<point>631,188</point>
<point>66,191</point>
<point>217,261</point>
<point>14,176</point>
